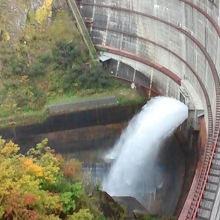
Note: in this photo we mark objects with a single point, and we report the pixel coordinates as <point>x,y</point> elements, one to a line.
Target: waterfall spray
<point>135,152</point>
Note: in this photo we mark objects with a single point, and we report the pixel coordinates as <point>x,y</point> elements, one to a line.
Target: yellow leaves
<point>10,105</point>
<point>29,32</point>
<point>14,177</point>
<point>50,201</point>
<point>1,211</point>
<point>27,183</point>
<point>44,12</point>
<point>32,168</point>
<point>18,173</point>
<point>12,123</point>
<point>26,162</point>
<point>51,167</point>
<point>37,170</point>
<point>4,35</point>
<point>8,149</point>
<point>26,191</point>
<point>82,214</point>
<point>50,217</point>
<point>6,175</point>
<point>45,158</point>
<point>2,142</point>
<point>22,180</point>
<point>24,79</point>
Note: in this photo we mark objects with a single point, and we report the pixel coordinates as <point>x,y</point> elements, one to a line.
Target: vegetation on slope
<point>41,185</point>
<point>48,64</point>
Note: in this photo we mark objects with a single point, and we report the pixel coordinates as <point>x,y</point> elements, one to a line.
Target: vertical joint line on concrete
<point>151,82</point>
<point>118,63</point>
<point>134,75</point>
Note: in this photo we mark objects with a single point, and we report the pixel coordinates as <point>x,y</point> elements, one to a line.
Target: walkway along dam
<point>172,48</point>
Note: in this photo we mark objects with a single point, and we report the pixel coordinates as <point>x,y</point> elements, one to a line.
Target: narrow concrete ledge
<point>87,104</point>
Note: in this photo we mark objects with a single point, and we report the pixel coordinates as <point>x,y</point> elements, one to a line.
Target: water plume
<point>135,152</point>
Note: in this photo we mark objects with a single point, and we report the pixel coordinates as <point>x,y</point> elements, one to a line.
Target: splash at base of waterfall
<point>135,171</point>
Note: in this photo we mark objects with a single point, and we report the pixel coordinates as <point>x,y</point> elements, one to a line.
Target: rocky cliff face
<point>14,14</point>
<point>30,31</point>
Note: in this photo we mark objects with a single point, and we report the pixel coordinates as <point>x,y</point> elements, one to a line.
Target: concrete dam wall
<point>173,48</point>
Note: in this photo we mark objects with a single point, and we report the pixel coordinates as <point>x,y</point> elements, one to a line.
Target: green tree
<point>96,78</point>
<point>71,197</point>
<point>18,65</point>
<point>37,70</point>
<point>82,214</point>
<point>65,53</point>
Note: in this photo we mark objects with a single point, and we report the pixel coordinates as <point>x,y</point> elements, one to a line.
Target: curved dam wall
<point>172,34</point>
<point>175,44</point>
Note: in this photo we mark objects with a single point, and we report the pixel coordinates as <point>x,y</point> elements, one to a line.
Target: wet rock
<point>13,15</point>
<point>131,205</point>
<point>139,215</point>
<point>34,4</point>
<point>110,207</point>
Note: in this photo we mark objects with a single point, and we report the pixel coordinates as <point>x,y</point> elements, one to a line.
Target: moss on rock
<point>4,35</point>
<point>44,12</point>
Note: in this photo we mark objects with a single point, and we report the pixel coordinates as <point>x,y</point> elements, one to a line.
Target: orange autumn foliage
<point>30,167</point>
<point>72,169</point>
<point>30,199</point>
<point>17,209</point>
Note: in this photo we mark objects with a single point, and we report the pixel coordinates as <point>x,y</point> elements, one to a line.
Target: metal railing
<point>215,139</point>
<point>82,28</point>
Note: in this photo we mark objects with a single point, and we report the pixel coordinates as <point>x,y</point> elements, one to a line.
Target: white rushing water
<point>135,152</point>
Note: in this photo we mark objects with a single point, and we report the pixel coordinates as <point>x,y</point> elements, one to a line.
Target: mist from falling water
<point>134,155</point>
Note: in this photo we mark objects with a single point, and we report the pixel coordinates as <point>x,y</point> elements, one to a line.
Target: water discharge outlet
<point>134,171</point>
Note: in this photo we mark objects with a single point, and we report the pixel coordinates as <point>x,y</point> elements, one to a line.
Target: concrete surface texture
<point>167,41</point>
<point>82,105</point>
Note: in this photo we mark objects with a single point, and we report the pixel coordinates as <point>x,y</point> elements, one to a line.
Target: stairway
<point>212,187</point>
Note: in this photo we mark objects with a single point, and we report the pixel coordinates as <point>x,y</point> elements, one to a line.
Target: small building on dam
<point>169,48</point>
